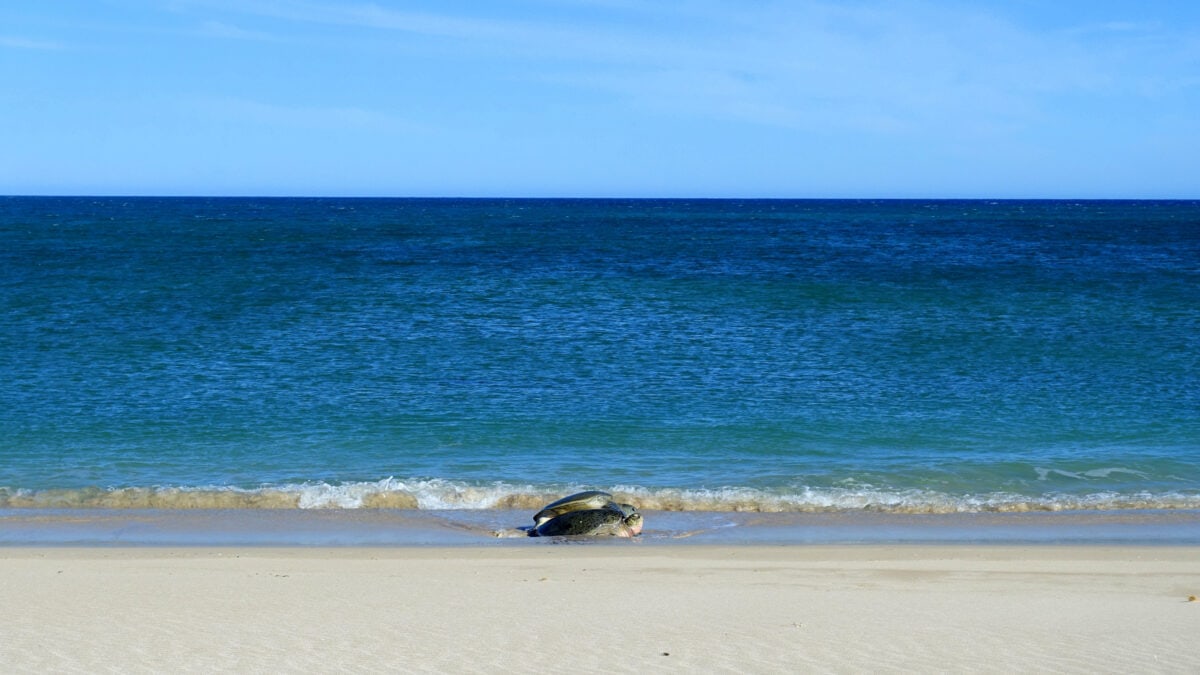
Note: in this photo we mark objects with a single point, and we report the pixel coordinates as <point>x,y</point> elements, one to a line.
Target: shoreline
<point>24,527</point>
<point>746,608</point>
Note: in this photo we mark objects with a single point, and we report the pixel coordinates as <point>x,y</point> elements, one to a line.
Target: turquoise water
<point>696,355</point>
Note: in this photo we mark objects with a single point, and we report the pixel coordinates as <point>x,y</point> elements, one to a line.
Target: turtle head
<point>634,522</point>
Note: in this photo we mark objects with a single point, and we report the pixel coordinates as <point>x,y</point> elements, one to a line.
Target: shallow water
<point>480,527</point>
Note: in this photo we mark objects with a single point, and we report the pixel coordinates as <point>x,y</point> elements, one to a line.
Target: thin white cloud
<point>1115,27</point>
<point>371,16</point>
<point>15,42</point>
<point>882,67</point>
<point>330,118</point>
<point>218,29</point>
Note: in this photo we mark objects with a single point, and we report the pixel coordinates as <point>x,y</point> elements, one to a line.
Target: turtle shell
<point>580,501</point>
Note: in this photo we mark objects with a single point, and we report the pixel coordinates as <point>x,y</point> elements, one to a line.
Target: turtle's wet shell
<point>580,501</point>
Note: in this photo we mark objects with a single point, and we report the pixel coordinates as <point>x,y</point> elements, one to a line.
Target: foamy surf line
<point>441,495</point>
<point>506,527</point>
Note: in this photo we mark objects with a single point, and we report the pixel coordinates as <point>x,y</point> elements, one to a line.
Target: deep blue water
<point>906,355</point>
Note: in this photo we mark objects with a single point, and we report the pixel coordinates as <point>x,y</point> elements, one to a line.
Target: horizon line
<point>585,197</point>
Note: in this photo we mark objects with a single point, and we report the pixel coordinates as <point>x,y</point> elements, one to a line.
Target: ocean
<point>806,356</point>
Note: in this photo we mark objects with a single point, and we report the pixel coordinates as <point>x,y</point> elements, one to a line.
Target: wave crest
<point>437,494</point>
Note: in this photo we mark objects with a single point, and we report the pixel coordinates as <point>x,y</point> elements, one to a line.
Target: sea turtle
<point>580,501</point>
<point>592,522</point>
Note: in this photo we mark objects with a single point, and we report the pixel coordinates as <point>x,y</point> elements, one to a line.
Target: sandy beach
<point>602,607</point>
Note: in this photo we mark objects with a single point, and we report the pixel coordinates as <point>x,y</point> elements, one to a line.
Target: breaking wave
<point>436,494</point>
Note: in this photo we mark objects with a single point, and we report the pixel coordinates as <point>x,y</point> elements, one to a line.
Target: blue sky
<point>705,98</point>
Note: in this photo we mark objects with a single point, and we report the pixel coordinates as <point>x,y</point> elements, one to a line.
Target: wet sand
<point>602,608</point>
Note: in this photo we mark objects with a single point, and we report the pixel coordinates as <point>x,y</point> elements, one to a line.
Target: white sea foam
<point>1105,473</point>
<point>438,494</point>
<point>1045,474</point>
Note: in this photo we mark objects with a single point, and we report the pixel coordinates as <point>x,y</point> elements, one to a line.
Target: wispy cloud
<point>364,15</point>
<point>1115,27</point>
<point>879,67</point>
<point>218,29</point>
<point>327,118</point>
<point>15,42</point>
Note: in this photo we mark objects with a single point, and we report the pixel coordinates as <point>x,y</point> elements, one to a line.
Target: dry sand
<point>602,608</point>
